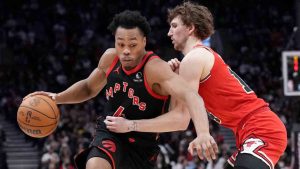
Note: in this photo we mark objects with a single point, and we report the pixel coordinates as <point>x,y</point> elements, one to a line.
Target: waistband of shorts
<point>244,119</point>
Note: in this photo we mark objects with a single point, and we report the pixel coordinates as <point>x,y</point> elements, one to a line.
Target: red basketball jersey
<point>228,99</point>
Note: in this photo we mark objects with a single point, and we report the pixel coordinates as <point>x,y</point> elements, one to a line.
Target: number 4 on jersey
<point>246,88</point>
<point>119,111</point>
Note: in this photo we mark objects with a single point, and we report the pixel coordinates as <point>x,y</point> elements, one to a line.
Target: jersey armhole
<point>148,88</point>
<point>151,92</point>
<point>113,64</point>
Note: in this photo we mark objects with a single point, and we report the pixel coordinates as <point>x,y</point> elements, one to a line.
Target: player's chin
<point>127,66</point>
<point>176,47</point>
<point>126,63</point>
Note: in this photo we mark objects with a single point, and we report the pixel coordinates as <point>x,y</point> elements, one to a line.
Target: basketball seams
<point>38,112</point>
<point>19,120</point>
<point>49,105</point>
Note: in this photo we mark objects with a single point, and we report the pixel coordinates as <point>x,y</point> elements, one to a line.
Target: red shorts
<point>263,135</point>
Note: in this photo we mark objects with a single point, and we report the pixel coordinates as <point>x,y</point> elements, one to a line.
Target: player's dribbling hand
<point>49,94</point>
<point>174,64</point>
<point>205,146</point>
<point>118,124</point>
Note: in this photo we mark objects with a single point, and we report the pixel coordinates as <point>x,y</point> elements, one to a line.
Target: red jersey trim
<point>148,88</point>
<point>109,155</point>
<point>231,162</point>
<point>153,57</point>
<point>206,78</point>
<point>200,45</point>
<point>112,65</point>
<point>139,66</point>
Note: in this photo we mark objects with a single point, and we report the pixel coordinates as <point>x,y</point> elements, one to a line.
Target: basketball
<point>38,116</point>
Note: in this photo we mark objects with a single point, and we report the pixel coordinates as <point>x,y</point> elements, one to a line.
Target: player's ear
<point>144,41</point>
<point>191,29</point>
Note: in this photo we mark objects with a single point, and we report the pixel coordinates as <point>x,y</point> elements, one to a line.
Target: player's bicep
<point>191,70</point>
<point>176,86</point>
<point>173,103</point>
<point>170,83</point>
<point>179,107</point>
<point>96,81</point>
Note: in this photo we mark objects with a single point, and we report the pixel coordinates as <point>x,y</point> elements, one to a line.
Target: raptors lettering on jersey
<point>135,99</point>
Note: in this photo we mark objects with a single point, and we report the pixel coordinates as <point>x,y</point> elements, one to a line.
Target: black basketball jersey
<point>129,95</point>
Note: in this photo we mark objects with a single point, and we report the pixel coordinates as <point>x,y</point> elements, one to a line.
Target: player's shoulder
<point>107,58</point>
<point>154,62</point>
<point>199,55</point>
<point>203,52</point>
<point>157,67</point>
<point>109,54</point>
<point>158,71</point>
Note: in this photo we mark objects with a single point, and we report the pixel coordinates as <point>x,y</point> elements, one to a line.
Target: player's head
<point>130,29</point>
<point>189,19</point>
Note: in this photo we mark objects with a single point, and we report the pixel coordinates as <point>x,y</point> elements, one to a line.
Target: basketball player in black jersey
<point>137,83</point>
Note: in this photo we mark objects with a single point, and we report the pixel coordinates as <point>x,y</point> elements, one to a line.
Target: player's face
<point>178,33</point>
<point>130,45</point>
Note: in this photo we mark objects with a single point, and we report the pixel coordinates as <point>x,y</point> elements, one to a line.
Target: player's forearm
<point>77,93</point>
<point>196,107</point>
<point>171,121</point>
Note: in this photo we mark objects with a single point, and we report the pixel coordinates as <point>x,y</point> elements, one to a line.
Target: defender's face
<point>130,45</point>
<point>178,33</point>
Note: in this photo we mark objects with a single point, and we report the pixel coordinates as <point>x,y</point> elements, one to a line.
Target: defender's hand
<point>174,64</point>
<point>49,94</point>
<point>119,124</point>
<point>205,146</point>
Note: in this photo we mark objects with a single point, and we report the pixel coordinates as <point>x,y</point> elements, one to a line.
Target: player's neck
<point>190,43</point>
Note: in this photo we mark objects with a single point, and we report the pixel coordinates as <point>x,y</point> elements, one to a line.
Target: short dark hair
<point>194,14</point>
<point>128,20</point>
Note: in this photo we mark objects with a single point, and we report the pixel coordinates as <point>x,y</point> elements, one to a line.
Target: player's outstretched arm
<point>195,65</point>
<point>188,93</point>
<point>87,88</point>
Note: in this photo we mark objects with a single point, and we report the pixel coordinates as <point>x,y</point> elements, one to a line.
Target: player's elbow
<point>183,125</point>
<point>188,95</point>
<point>192,97</point>
<point>182,120</point>
<point>185,121</point>
<point>88,90</point>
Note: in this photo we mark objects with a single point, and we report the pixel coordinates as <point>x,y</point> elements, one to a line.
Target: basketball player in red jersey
<point>136,88</point>
<point>261,137</point>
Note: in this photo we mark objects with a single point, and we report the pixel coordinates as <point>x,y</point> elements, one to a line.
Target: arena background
<point>49,45</point>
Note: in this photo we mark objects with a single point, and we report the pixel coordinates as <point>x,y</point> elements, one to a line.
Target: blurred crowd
<point>49,45</point>
<point>2,153</point>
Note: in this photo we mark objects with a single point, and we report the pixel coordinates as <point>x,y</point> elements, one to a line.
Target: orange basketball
<point>38,116</point>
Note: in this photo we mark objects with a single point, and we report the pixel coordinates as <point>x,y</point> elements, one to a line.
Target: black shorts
<point>120,154</point>
<point>246,161</point>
